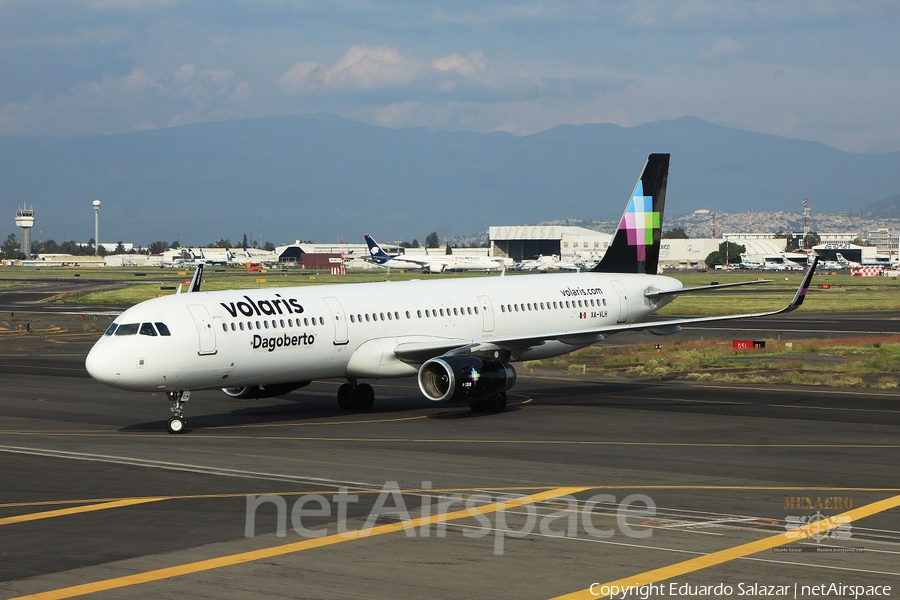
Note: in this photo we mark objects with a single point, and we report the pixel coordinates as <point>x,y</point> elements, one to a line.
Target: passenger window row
<point>275,323</point>
<point>530,306</point>
<point>428,314</point>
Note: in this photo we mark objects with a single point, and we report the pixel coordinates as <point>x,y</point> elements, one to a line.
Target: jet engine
<point>464,378</point>
<point>264,391</point>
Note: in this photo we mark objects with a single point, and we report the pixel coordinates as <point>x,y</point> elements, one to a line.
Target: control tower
<point>25,220</point>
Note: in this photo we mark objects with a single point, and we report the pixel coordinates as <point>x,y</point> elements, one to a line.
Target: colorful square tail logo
<point>639,222</point>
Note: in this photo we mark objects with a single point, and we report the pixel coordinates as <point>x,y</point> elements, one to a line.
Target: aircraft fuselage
<point>282,335</point>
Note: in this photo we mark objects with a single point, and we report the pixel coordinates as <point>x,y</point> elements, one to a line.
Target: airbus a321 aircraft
<point>458,337</point>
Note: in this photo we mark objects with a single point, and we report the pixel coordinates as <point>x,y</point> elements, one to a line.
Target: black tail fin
<point>635,247</point>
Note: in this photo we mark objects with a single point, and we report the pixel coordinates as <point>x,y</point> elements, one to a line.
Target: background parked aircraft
<point>431,263</point>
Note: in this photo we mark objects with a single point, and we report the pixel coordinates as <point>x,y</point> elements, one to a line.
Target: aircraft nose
<point>104,363</point>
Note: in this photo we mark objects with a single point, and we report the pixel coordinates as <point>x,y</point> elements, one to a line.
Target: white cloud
<point>382,68</point>
<point>464,65</point>
<point>820,69</point>
<point>184,74</point>
<point>219,76</point>
<point>361,68</point>
<point>725,47</point>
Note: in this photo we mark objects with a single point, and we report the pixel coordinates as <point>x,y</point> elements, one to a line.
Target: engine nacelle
<point>264,391</point>
<point>464,378</point>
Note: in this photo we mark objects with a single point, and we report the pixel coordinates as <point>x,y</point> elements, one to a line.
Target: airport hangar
<point>578,244</point>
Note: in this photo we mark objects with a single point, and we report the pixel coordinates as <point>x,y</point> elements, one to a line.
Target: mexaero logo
<point>284,341</point>
<point>259,308</point>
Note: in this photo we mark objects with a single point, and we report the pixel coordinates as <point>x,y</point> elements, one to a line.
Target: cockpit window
<point>128,329</point>
<point>163,330</point>
<point>111,329</point>
<point>147,329</point>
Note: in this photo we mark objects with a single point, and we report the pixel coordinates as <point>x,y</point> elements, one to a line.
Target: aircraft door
<point>205,329</point>
<point>340,321</point>
<point>487,313</point>
<point>623,301</point>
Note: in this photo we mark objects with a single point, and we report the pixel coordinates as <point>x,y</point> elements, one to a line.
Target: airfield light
<point>96,204</point>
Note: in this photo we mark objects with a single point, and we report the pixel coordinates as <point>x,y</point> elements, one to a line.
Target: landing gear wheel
<point>478,406</point>
<point>345,396</point>
<point>175,425</point>
<point>496,403</point>
<point>177,398</point>
<point>363,396</point>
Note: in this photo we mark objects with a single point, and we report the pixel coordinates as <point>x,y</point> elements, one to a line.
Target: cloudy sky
<point>823,70</point>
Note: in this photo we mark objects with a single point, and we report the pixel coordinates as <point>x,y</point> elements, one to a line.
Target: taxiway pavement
<point>622,479</point>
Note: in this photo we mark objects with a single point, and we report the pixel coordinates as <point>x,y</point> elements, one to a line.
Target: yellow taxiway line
<point>280,550</point>
<point>722,556</point>
<point>49,514</point>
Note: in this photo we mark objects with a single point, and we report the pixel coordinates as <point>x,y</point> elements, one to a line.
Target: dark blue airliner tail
<point>378,255</point>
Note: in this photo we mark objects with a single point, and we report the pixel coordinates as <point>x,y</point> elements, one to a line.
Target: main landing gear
<point>494,404</point>
<point>177,423</point>
<point>354,395</point>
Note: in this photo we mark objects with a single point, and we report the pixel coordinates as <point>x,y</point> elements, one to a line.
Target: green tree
<point>158,247</point>
<point>727,250</point>
<point>676,233</point>
<point>10,246</point>
<point>120,248</point>
<point>432,241</point>
<point>812,239</point>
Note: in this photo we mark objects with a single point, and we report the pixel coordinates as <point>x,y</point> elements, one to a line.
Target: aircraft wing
<point>701,288</point>
<point>398,258</point>
<point>415,261</point>
<point>415,352</point>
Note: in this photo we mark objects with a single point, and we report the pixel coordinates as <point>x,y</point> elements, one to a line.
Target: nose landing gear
<point>177,423</point>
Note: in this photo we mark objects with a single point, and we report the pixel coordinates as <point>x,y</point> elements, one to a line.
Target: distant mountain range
<point>320,177</point>
<point>889,208</point>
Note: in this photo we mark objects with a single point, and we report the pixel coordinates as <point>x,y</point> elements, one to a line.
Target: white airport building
<point>570,244</point>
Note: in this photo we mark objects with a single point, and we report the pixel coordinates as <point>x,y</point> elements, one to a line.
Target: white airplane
<point>431,263</point>
<point>548,263</point>
<point>845,264</point>
<point>750,264</point>
<point>220,261</point>
<point>458,337</point>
